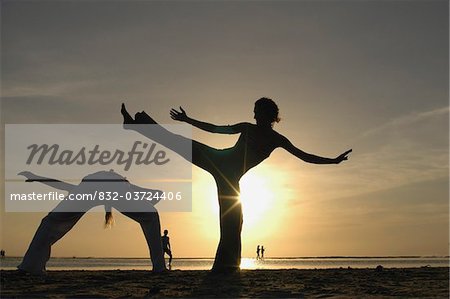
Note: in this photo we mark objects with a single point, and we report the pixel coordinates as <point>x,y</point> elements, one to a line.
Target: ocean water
<point>10,263</point>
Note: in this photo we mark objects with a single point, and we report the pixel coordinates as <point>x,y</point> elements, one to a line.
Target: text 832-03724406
<point>156,196</point>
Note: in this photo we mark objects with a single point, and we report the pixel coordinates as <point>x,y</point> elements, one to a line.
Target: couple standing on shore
<point>260,249</point>
<point>255,143</point>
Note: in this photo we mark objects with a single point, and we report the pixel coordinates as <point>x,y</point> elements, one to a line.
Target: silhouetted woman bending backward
<point>227,166</point>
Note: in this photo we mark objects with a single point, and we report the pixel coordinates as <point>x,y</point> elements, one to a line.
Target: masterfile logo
<point>40,158</point>
<point>52,154</point>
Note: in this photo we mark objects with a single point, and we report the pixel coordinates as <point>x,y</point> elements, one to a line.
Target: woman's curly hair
<point>268,108</point>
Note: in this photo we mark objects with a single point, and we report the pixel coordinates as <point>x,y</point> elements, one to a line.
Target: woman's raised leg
<point>193,151</point>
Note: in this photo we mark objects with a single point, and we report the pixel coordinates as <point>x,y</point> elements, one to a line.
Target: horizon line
<point>252,257</point>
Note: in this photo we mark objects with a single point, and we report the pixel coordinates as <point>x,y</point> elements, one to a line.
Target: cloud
<point>407,120</point>
<point>407,150</point>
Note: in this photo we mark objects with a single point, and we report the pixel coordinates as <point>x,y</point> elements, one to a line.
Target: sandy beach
<point>325,283</point>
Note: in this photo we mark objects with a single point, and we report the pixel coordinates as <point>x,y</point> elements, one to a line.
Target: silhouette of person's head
<point>166,232</point>
<point>266,112</point>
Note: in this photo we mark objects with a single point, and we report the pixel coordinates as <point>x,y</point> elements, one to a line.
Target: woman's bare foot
<point>127,119</point>
<point>139,118</point>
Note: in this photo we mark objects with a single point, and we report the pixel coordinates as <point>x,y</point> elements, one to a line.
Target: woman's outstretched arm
<point>181,116</point>
<point>31,177</point>
<point>310,158</point>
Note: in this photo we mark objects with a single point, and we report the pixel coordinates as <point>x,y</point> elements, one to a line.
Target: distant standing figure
<point>165,240</point>
<point>2,253</point>
<point>262,252</point>
<point>257,252</point>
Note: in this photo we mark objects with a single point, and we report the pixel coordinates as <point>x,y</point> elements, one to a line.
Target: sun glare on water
<point>248,263</point>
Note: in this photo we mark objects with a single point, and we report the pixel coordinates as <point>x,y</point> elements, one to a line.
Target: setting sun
<point>257,198</point>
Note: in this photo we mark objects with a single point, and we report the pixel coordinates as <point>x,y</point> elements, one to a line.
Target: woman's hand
<point>29,175</point>
<point>343,157</point>
<point>180,116</point>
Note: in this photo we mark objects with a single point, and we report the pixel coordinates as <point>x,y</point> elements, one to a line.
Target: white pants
<point>61,220</point>
<point>56,224</point>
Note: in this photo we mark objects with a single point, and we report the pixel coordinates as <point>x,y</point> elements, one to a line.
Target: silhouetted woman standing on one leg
<point>227,166</point>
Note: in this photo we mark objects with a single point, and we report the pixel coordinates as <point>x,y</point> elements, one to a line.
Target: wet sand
<point>323,283</point>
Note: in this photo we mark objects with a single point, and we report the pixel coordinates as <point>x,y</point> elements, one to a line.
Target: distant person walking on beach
<point>257,252</point>
<point>262,252</point>
<point>67,213</point>
<point>256,142</point>
<point>165,241</point>
<point>2,253</point>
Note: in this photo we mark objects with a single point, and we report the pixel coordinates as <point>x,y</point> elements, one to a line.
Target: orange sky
<point>341,78</point>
